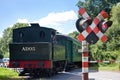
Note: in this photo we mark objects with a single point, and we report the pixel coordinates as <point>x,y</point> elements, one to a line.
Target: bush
<point>1,56</point>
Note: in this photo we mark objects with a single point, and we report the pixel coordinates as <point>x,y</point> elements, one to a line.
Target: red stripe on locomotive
<point>31,64</point>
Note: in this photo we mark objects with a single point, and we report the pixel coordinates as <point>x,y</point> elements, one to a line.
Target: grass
<point>7,74</point>
<point>106,67</point>
<point>110,67</point>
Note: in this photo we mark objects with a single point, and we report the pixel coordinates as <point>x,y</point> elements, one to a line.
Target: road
<point>105,75</point>
<point>76,74</point>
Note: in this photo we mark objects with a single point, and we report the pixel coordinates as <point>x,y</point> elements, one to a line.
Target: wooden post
<point>84,60</point>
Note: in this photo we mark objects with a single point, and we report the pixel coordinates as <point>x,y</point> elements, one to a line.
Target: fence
<point>102,61</point>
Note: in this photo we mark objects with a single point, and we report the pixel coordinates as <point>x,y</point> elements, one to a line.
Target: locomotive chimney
<point>34,25</point>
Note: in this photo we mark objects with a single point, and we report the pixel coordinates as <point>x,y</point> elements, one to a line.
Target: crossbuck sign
<point>90,30</point>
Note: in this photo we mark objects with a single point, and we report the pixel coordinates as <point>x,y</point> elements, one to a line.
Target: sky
<point>58,14</point>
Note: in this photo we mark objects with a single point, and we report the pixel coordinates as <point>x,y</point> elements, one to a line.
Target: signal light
<point>82,24</point>
<point>103,25</point>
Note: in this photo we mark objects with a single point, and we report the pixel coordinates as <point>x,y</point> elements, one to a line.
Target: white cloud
<point>56,20</point>
<point>22,21</point>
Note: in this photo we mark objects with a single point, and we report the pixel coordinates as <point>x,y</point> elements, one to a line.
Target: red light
<point>104,26</point>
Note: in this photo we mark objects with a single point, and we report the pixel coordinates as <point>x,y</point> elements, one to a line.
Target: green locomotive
<point>40,50</point>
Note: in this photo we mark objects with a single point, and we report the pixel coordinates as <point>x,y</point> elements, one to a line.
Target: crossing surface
<point>105,75</point>
<point>76,74</point>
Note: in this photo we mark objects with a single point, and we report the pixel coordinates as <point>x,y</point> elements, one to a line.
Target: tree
<point>1,56</point>
<point>110,49</point>
<point>74,34</point>
<point>113,32</point>
<point>93,7</point>
<point>7,37</point>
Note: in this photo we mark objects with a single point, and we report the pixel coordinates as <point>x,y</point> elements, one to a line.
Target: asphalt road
<point>105,75</point>
<point>76,74</point>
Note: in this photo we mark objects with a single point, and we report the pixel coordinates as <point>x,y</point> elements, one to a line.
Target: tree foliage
<point>1,56</point>
<point>114,32</point>
<point>93,7</point>
<point>7,37</point>
<point>110,49</point>
<point>74,34</point>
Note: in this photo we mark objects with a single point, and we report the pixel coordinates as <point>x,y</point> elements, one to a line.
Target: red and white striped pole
<point>85,60</point>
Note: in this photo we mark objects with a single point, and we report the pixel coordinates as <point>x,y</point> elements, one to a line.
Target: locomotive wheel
<point>36,74</point>
<point>50,72</point>
<point>21,74</point>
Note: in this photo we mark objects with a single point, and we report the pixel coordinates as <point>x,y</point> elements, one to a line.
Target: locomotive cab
<point>32,47</point>
<point>33,33</point>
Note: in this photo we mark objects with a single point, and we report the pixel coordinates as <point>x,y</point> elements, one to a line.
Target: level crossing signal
<point>82,24</point>
<point>92,30</point>
<point>104,25</point>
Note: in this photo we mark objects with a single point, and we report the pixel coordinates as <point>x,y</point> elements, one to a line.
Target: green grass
<point>110,67</point>
<point>106,67</point>
<point>7,74</point>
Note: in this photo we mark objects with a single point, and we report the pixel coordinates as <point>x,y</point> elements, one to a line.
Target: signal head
<point>82,24</point>
<point>103,25</point>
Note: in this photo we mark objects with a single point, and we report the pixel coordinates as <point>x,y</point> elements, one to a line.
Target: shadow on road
<point>75,74</point>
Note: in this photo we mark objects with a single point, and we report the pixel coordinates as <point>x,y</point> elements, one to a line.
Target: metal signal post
<point>91,30</point>
<point>85,61</point>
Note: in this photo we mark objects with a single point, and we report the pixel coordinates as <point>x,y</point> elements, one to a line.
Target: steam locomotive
<point>40,50</point>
